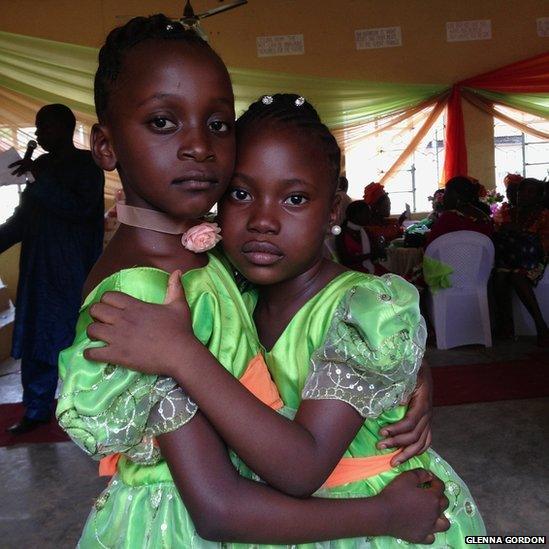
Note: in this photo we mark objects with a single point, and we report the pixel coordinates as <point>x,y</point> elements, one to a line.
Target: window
<point>517,152</point>
<point>418,177</point>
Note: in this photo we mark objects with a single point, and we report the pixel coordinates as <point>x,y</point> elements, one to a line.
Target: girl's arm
<point>227,507</point>
<point>313,443</point>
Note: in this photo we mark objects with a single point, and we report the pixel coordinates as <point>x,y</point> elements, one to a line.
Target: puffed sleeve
<point>106,408</point>
<point>373,348</point>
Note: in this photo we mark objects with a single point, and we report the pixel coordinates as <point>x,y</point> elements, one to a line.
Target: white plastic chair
<point>460,313</point>
<point>524,325</point>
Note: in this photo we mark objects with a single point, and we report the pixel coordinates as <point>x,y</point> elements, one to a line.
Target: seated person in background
<point>342,190</point>
<point>353,244</point>
<point>463,210</point>
<point>381,226</point>
<point>522,248</point>
<point>416,234</point>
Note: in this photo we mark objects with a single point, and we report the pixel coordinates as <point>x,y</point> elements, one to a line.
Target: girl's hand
<point>138,335</point>
<point>413,432</point>
<point>415,503</point>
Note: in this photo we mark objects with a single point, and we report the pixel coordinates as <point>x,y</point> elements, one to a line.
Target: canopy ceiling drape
<point>34,71</point>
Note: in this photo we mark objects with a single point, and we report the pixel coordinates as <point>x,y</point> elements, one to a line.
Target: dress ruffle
<point>109,409</point>
<point>373,348</point>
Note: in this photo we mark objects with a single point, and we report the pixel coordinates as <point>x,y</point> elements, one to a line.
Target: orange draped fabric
<point>528,76</point>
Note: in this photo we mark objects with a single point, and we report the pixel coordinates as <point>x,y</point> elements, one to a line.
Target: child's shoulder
<point>386,288</point>
<point>146,283</point>
<point>377,306</point>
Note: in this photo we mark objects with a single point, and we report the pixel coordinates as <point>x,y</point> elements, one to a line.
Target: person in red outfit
<point>353,244</point>
<point>463,210</point>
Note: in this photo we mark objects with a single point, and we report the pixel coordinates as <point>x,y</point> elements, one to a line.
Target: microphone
<point>31,145</point>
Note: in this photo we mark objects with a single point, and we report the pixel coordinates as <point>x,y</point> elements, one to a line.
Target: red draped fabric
<point>455,159</point>
<point>528,76</point>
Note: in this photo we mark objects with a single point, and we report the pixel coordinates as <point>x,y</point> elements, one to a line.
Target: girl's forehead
<point>151,57</point>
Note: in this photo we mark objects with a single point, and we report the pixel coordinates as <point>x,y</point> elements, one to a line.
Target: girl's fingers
<point>422,475</point>
<point>442,524</point>
<point>99,354</point>
<point>411,450</point>
<point>104,313</point>
<point>406,437</point>
<point>437,485</point>
<point>118,299</point>
<point>444,502</point>
<point>414,415</point>
<point>98,332</point>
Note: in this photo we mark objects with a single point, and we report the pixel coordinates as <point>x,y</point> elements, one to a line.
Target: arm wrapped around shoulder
<point>373,348</point>
<point>108,409</point>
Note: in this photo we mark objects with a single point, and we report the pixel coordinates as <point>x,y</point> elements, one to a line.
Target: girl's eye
<point>240,195</point>
<point>296,200</point>
<point>219,126</point>
<point>162,123</point>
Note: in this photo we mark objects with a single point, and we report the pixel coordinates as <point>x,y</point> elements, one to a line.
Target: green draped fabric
<point>51,71</point>
<point>533,103</point>
<point>48,71</point>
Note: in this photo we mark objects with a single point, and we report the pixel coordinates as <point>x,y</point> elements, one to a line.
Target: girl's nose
<point>196,145</point>
<point>263,219</point>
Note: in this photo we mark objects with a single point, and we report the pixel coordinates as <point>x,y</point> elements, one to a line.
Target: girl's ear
<point>101,148</point>
<point>335,210</point>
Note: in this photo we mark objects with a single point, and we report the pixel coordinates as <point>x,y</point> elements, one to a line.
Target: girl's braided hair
<point>122,39</point>
<point>289,108</point>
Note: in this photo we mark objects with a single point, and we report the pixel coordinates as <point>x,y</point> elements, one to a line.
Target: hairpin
<point>267,99</point>
<point>299,101</point>
<point>169,27</point>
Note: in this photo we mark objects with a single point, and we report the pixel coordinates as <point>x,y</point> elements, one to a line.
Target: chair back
<point>470,254</point>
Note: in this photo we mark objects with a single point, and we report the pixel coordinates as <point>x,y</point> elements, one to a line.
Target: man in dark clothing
<point>60,226</point>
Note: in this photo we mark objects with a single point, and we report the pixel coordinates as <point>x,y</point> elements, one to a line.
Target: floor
<point>500,449</point>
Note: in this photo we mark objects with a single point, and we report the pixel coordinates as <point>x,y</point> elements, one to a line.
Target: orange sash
<point>259,382</point>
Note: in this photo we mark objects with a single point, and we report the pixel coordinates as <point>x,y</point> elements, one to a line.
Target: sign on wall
<point>384,37</point>
<point>543,26</point>
<point>464,31</point>
<point>285,44</point>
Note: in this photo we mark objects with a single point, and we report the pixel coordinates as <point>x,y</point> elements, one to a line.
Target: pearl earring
<point>335,230</point>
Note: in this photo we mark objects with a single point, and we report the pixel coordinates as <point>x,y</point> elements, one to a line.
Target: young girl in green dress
<point>343,348</point>
<point>166,123</point>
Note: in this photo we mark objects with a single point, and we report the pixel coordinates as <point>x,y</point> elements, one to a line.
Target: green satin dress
<point>361,340</point>
<point>107,409</point>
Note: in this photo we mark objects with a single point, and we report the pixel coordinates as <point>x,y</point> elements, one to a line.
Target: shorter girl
<point>343,348</point>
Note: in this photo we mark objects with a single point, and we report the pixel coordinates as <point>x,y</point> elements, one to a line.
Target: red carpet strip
<point>12,413</point>
<point>506,380</point>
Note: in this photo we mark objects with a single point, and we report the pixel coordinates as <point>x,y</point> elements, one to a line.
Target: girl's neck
<point>278,303</point>
<point>151,248</point>
<point>144,217</point>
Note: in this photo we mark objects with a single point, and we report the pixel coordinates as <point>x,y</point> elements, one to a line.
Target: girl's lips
<point>195,184</point>
<point>262,258</point>
<point>261,253</point>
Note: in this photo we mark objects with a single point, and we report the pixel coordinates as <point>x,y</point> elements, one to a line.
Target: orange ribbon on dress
<point>257,379</point>
<point>351,469</point>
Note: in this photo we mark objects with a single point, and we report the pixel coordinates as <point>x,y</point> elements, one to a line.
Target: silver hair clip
<point>299,101</point>
<point>169,27</point>
<point>267,99</point>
